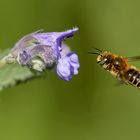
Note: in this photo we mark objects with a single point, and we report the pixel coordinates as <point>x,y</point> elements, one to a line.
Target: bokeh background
<point>89,107</point>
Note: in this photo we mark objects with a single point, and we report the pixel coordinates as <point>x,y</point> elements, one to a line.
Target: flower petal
<point>63,69</point>
<point>68,66</point>
<point>54,39</point>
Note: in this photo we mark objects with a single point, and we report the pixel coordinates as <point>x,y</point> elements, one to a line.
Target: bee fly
<point>119,67</point>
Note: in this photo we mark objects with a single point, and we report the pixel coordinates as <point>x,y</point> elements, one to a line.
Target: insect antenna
<point>94,53</point>
<point>98,50</point>
<point>97,53</point>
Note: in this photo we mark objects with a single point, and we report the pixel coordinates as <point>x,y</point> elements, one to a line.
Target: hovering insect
<point>119,67</point>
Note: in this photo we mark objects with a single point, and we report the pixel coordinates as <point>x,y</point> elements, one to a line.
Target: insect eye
<point>107,59</point>
<point>117,63</point>
<point>104,61</point>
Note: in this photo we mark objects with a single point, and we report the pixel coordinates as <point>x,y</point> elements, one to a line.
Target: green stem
<point>2,63</point>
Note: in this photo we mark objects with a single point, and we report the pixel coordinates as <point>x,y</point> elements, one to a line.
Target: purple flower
<point>41,51</point>
<point>68,66</point>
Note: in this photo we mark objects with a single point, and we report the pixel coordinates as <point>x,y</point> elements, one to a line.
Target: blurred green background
<point>90,106</point>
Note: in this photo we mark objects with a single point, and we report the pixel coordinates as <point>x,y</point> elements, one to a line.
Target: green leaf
<point>13,74</point>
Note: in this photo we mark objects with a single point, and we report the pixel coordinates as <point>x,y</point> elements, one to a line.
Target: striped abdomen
<point>132,76</point>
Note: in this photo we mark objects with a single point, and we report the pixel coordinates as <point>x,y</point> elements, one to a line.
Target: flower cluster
<point>40,51</point>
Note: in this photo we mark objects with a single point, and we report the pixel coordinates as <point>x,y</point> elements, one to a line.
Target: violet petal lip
<point>68,66</point>
<point>63,69</point>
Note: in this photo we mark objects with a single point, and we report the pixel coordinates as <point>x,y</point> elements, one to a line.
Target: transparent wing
<point>133,58</point>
